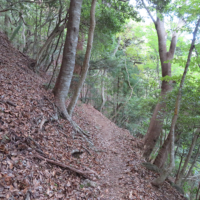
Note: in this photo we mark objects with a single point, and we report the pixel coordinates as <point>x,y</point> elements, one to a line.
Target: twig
<point>9,102</point>
<point>92,171</point>
<point>87,150</point>
<point>83,173</point>
<point>63,133</point>
<point>42,123</point>
<point>38,146</point>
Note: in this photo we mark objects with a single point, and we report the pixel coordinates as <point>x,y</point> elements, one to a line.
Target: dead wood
<point>9,102</point>
<point>42,123</point>
<point>83,173</point>
<point>36,144</point>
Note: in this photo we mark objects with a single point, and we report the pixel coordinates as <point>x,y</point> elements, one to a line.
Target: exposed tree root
<point>64,114</point>
<point>82,173</point>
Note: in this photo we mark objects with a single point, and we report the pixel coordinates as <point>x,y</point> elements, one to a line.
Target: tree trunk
<point>156,122</point>
<point>164,150</point>
<point>86,60</point>
<point>193,163</point>
<point>58,29</point>
<point>103,91</point>
<point>6,23</point>
<point>166,172</point>
<point>64,78</point>
<point>179,167</point>
<point>182,172</point>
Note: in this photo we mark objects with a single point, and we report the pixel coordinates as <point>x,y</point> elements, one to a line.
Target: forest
<point>136,62</point>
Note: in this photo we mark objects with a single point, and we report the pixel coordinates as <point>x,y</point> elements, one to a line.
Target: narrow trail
<point>122,176</point>
<point>110,140</point>
<point>113,141</point>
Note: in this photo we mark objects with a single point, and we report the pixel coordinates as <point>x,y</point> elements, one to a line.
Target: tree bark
<point>179,167</point>
<point>58,29</point>
<point>163,176</point>
<point>156,122</point>
<point>182,172</point>
<point>193,163</point>
<point>164,150</point>
<point>86,60</point>
<point>67,67</point>
<point>103,91</point>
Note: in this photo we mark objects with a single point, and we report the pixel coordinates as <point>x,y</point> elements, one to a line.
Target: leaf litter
<point>42,158</point>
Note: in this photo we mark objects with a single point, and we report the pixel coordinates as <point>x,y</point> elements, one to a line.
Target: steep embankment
<point>36,151</point>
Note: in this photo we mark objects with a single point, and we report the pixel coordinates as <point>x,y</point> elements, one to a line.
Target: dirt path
<point>115,180</point>
<point>122,176</point>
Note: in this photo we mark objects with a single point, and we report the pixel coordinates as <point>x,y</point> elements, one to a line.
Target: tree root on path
<point>82,173</point>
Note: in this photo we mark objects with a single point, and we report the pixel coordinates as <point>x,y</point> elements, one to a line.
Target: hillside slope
<point>43,158</point>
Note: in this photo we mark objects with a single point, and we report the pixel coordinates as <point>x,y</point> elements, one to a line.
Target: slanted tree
<point>181,173</point>
<point>66,72</point>
<point>156,123</point>
<point>167,171</point>
<point>86,60</point>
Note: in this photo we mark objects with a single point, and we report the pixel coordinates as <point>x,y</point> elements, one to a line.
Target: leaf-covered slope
<point>39,156</point>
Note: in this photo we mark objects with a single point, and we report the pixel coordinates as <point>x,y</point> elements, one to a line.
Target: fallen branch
<point>36,144</point>
<point>9,102</point>
<point>87,150</point>
<point>42,123</point>
<point>83,173</point>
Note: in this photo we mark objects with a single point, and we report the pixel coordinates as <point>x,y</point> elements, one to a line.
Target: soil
<point>36,151</point>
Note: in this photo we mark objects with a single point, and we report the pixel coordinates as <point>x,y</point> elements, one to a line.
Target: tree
<point>181,173</point>
<point>156,123</point>
<point>86,60</point>
<point>64,78</point>
<point>167,171</point>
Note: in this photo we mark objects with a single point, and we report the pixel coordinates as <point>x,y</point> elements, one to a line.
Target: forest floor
<point>43,158</point>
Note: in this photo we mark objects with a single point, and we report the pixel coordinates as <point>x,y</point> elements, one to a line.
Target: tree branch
<point>78,171</point>
<point>172,46</point>
<point>149,12</point>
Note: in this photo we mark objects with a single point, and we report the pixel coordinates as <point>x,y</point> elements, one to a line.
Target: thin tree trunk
<point>86,60</point>
<point>58,29</point>
<point>52,55</point>
<point>35,35</point>
<point>66,72</point>
<point>163,176</point>
<point>57,60</point>
<point>164,150</point>
<point>198,192</point>
<point>179,167</point>
<point>182,172</point>
<point>103,91</point>
<point>6,23</point>
<point>193,163</point>
<point>117,47</point>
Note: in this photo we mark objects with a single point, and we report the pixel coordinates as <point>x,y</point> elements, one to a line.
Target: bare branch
<point>148,12</point>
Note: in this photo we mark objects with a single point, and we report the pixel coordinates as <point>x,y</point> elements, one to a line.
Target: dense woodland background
<point>140,50</point>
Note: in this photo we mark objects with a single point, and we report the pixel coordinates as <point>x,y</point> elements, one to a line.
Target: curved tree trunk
<point>167,171</point>
<point>156,122</point>
<point>164,150</point>
<point>58,29</point>
<point>64,78</point>
<point>86,60</point>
